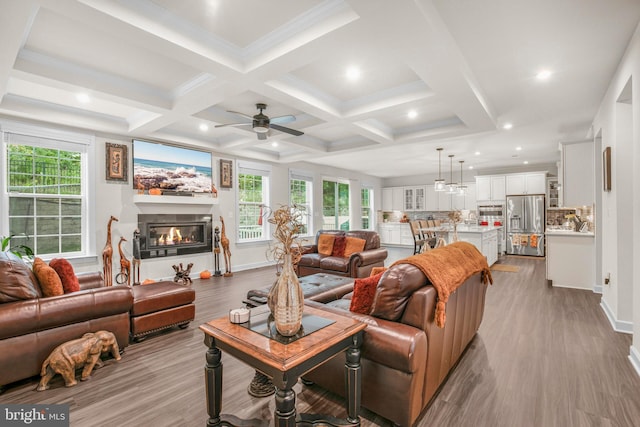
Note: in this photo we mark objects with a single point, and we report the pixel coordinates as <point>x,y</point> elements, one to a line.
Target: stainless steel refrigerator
<point>525,225</point>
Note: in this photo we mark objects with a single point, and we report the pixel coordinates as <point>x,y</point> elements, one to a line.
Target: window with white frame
<point>301,194</point>
<point>253,198</point>
<point>367,207</point>
<point>45,202</point>
<point>335,204</point>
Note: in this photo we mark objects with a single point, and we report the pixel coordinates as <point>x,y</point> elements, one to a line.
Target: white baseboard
<point>597,289</point>
<point>634,358</point>
<point>617,325</point>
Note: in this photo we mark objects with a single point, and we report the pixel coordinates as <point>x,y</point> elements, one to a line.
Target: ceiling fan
<point>261,123</point>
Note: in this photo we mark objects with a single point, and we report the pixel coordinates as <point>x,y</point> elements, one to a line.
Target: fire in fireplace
<point>172,235</point>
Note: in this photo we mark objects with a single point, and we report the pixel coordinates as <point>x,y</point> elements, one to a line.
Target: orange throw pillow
<point>339,245</point>
<point>364,292</point>
<point>354,245</point>
<point>68,277</point>
<point>49,280</point>
<point>378,270</point>
<point>325,244</point>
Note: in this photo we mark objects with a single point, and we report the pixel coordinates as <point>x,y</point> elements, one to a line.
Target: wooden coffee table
<point>284,363</point>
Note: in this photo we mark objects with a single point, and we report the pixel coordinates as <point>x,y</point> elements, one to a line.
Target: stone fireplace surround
<point>165,235</point>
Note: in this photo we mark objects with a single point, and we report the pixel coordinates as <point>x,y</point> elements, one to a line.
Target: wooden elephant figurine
<point>73,354</point>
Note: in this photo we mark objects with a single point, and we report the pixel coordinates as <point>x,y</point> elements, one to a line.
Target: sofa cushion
<point>68,277</point>
<point>394,290</point>
<point>48,279</point>
<point>310,260</point>
<point>364,291</point>
<point>333,263</point>
<point>325,244</point>
<point>339,245</point>
<point>17,281</point>
<point>354,245</point>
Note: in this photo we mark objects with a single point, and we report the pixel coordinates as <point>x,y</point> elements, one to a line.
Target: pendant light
<point>462,189</point>
<point>438,184</point>
<point>452,187</point>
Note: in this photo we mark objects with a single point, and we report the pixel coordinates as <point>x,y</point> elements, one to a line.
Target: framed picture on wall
<point>226,173</point>
<point>117,163</point>
<point>606,169</point>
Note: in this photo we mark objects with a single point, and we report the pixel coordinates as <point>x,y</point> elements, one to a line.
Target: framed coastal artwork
<point>171,169</point>
<point>226,173</point>
<point>116,162</point>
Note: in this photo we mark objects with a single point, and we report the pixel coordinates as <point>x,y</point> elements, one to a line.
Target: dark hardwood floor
<point>543,357</point>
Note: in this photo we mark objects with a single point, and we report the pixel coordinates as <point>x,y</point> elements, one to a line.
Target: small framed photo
<point>117,163</point>
<point>226,173</point>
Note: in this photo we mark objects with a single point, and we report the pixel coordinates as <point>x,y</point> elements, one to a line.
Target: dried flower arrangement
<point>455,217</point>
<point>288,221</point>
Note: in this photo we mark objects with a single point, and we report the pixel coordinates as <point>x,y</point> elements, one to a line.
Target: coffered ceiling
<point>165,69</point>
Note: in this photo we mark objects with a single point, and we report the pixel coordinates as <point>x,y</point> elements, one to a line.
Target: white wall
<point>619,125</point>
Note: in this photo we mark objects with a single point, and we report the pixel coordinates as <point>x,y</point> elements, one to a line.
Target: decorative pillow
<point>377,270</point>
<point>364,291</point>
<point>339,245</point>
<point>67,275</point>
<point>49,280</point>
<point>17,281</point>
<point>354,245</point>
<point>325,244</point>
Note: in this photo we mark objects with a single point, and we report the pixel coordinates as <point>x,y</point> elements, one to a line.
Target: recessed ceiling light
<point>83,98</point>
<point>353,73</point>
<point>526,162</point>
<point>543,75</point>
<point>204,127</point>
<point>507,126</point>
<point>470,167</point>
<point>518,148</point>
<point>477,153</point>
<point>274,144</point>
<point>412,114</point>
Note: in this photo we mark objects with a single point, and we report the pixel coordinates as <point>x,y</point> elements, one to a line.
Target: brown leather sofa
<point>404,361</point>
<point>32,326</point>
<point>358,264</point>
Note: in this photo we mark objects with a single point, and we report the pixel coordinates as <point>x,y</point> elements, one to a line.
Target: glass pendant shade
<point>452,187</point>
<point>439,184</point>
<point>462,189</point>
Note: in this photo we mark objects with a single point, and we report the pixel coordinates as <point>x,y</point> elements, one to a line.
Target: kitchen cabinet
<point>578,188</point>
<point>396,233</point>
<point>567,250</point>
<point>526,183</point>
<point>431,198</point>
<point>483,238</point>
<point>414,198</point>
<point>387,199</point>
<point>490,187</point>
<point>466,202</point>
<point>392,199</point>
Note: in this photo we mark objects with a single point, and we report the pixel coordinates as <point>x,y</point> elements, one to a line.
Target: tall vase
<point>286,300</point>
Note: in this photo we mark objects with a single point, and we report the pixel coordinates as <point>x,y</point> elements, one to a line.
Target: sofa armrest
<point>92,280</point>
<point>368,257</point>
<point>309,249</point>
<point>39,314</point>
<point>388,343</point>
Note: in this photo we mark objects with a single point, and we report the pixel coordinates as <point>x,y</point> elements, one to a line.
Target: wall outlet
<point>607,279</point>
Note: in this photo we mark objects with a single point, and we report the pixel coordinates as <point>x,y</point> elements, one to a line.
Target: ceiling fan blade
<point>286,130</point>
<point>283,119</point>
<point>240,114</point>
<point>232,124</point>
<point>261,136</point>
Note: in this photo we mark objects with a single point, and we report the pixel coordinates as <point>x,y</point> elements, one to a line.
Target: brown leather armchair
<point>31,326</point>
<point>358,264</point>
<point>405,360</point>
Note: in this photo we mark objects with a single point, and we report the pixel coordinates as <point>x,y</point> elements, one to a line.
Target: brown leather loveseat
<point>31,326</point>
<point>405,356</point>
<point>357,264</point>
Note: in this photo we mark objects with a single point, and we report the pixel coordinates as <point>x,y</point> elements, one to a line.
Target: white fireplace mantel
<point>176,200</point>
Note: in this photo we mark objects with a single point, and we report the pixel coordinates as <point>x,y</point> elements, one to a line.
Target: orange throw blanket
<point>447,268</point>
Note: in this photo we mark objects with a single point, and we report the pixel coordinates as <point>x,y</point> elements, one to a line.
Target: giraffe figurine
<point>125,264</point>
<point>107,255</point>
<point>224,242</point>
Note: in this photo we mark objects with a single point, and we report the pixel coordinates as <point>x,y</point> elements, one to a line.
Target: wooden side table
<point>284,363</point>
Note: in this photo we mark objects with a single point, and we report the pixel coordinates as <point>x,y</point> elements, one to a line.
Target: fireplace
<point>165,235</point>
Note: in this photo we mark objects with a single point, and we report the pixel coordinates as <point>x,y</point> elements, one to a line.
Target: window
<point>367,208</point>
<point>301,194</point>
<point>253,196</point>
<point>47,205</point>
<point>335,205</point>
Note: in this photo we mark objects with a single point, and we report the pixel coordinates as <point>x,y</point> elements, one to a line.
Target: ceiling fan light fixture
<point>261,129</point>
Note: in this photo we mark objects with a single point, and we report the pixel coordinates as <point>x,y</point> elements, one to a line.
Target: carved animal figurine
<point>182,275</point>
<point>73,354</point>
<point>224,242</point>
<point>216,252</point>
<point>125,264</point>
<point>107,255</point>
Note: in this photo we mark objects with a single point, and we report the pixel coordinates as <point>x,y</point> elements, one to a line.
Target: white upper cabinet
<point>387,199</point>
<point>483,187</point>
<point>578,174</point>
<point>490,187</point>
<point>526,183</point>
<point>409,199</point>
<point>498,187</point>
<point>393,199</point>
<point>431,198</point>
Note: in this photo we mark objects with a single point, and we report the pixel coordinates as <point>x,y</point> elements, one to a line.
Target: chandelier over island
<point>452,187</point>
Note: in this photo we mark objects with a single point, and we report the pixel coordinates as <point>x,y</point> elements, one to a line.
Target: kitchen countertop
<point>464,228</point>
<point>569,233</point>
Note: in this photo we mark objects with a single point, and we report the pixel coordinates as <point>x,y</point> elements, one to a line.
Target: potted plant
<point>19,250</point>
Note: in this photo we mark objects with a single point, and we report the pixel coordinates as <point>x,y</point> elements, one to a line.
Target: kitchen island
<point>485,238</point>
<point>571,259</point>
